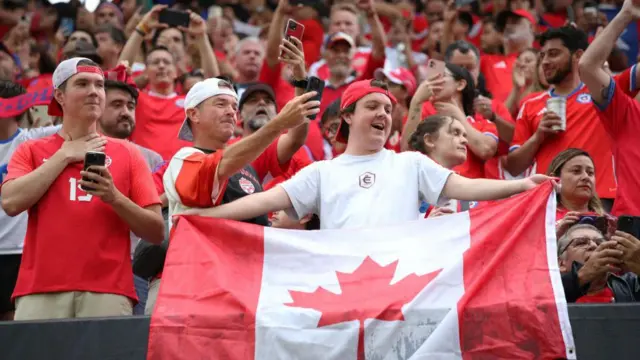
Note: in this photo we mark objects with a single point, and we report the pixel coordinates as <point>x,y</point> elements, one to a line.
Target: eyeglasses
<point>582,241</point>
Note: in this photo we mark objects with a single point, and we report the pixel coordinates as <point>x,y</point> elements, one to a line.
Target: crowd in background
<point>200,115</point>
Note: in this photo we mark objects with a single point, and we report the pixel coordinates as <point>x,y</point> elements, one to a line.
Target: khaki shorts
<point>73,304</point>
<point>154,288</point>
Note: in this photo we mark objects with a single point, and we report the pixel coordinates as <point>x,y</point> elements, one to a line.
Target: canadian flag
<point>482,284</point>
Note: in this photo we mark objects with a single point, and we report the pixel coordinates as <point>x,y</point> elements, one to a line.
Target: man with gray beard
<point>256,107</point>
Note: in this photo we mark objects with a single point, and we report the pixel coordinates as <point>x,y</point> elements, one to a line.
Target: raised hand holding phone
<point>292,53</point>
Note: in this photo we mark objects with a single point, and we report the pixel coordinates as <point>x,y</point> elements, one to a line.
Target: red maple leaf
<point>367,293</point>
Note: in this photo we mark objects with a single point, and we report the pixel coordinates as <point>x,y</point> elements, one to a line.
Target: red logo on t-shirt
<point>367,180</point>
<point>247,186</point>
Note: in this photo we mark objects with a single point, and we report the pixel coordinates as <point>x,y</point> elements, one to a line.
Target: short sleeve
<point>614,111</point>
<point>195,179</point>
<point>431,178</point>
<point>21,162</point>
<point>270,75</point>
<point>303,190</point>
<point>143,190</point>
<point>268,163</point>
<point>372,65</point>
<point>626,81</point>
<point>489,129</point>
<point>522,132</point>
<point>158,174</point>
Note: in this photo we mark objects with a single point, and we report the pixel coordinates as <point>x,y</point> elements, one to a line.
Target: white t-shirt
<point>14,229</point>
<point>361,191</point>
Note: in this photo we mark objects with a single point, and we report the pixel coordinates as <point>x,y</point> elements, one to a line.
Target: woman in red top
<point>577,195</point>
<point>444,140</point>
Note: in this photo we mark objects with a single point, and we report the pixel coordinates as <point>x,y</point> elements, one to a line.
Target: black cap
<point>254,88</point>
<point>83,49</point>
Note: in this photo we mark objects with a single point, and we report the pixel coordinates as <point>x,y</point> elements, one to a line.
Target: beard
<point>560,75</point>
<point>121,130</point>
<point>341,70</point>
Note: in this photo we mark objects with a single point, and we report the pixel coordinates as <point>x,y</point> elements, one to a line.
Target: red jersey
<point>620,117</point>
<point>320,69</point>
<point>74,241</point>
<point>473,167</point>
<point>158,121</point>
<point>584,131</point>
<point>603,296</point>
<point>497,71</point>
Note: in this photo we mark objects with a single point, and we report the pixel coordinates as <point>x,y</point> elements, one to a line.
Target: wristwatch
<point>302,84</point>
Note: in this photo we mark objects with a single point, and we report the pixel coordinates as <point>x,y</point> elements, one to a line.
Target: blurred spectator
<point>518,34</point>
<point>160,111</point>
<point>538,138</point>
<point>191,78</point>
<point>281,220</point>
<point>491,39</point>
<point>109,13</point>
<point>618,112</point>
<point>110,41</point>
<point>432,45</point>
<point>528,79</point>
<point>174,40</point>
<point>12,229</point>
<point>96,279</point>
<point>402,85</point>
<point>591,266</point>
<point>248,59</point>
<point>9,69</point>
<point>329,124</point>
<point>456,98</point>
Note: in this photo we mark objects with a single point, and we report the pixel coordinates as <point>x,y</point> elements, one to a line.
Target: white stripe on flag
<point>420,247</point>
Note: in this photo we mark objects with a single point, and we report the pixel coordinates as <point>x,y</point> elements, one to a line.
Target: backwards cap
<point>64,72</point>
<point>200,92</point>
<point>354,92</point>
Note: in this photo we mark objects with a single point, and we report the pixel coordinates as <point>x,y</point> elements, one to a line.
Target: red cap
<point>501,19</point>
<point>399,76</point>
<point>353,93</point>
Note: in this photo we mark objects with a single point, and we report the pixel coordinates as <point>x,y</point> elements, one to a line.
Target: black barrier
<point>601,332</point>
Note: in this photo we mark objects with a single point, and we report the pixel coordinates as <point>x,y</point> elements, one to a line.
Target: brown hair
<point>558,163</point>
<point>344,6</point>
<point>344,127</point>
<point>429,126</point>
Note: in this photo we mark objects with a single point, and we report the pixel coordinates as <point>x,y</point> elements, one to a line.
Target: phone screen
<point>174,18</point>
<point>67,26</point>
<point>93,158</point>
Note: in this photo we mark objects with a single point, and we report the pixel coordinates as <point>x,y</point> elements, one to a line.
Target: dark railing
<point>601,332</point>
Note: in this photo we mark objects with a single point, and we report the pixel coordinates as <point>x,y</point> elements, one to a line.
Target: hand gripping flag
<point>482,284</point>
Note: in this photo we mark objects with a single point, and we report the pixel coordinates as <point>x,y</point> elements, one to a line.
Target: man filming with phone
<point>76,260</point>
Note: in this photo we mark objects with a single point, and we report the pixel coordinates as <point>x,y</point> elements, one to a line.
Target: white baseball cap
<point>200,92</point>
<point>63,72</point>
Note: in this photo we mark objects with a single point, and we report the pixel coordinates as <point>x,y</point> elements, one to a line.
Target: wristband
<point>142,33</point>
<point>302,84</point>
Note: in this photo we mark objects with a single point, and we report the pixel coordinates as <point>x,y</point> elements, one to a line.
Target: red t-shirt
<point>497,71</point>
<point>473,167</point>
<point>620,117</point>
<point>158,122</point>
<point>74,241</point>
<point>583,131</point>
<point>603,296</point>
<point>320,69</point>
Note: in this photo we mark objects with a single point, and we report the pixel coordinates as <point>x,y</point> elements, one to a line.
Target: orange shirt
<point>158,121</point>
<point>74,241</point>
<point>497,74</point>
<point>473,167</point>
<point>584,131</point>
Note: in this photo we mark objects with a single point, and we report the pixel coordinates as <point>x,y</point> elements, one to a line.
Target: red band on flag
<point>498,318</point>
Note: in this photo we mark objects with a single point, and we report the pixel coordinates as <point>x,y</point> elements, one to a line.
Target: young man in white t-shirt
<point>368,185</point>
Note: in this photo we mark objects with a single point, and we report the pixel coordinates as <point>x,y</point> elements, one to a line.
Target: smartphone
<point>600,222</point>
<point>627,224</point>
<point>434,68</point>
<point>294,29</point>
<point>317,85</point>
<point>174,18</point>
<point>93,158</point>
<point>67,26</point>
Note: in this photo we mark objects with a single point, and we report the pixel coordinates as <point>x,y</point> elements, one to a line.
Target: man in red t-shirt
<point>618,112</point>
<point>518,29</point>
<point>536,140</point>
<point>160,110</point>
<point>76,260</point>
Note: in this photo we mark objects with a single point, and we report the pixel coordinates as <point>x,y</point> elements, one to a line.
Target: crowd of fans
<point>428,108</point>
